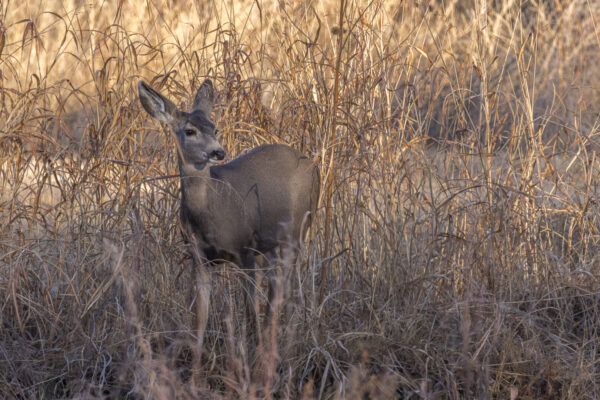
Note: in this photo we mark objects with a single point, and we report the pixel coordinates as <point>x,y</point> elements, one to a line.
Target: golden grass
<point>455,252</point>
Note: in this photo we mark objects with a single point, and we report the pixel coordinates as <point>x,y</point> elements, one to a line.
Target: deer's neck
<point>194,185</point>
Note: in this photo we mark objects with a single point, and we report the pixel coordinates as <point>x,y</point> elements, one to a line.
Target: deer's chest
<point>221,235</point>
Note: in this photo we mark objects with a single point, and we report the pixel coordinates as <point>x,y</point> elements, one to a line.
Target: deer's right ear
<point>205,98</point>
<point>157,105</point>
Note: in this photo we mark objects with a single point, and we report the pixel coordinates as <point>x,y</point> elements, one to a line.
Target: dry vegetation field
<point>456,249</point>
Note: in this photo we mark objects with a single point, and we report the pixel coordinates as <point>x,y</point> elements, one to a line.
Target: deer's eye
<point>190,132</point>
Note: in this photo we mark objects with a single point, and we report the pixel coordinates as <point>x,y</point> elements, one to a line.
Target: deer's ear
<point>205,98</point>
<point>157,105</point>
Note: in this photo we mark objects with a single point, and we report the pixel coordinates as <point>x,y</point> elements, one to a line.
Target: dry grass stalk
<point>463,240</point>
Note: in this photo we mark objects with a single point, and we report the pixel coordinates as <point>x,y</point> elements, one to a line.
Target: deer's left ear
<point>157,105</point>
<point>205,98</point>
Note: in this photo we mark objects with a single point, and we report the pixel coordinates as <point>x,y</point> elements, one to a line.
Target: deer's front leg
<point>203,279</point>
<point>203,287</point>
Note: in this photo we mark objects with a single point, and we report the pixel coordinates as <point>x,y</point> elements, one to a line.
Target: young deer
<point>254,204</point>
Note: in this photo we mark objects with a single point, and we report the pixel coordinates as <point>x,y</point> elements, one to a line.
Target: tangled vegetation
<point>456,248</point>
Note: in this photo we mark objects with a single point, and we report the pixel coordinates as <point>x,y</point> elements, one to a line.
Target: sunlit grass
<point>458,259</point>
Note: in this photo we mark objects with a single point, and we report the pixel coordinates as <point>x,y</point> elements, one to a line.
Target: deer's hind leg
<point>248,264</point>
<point>277,268</point>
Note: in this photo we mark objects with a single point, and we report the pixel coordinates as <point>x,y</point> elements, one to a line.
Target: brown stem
<point>338,62</point>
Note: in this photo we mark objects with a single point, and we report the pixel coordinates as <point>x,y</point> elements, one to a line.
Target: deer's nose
<point>218,154</point>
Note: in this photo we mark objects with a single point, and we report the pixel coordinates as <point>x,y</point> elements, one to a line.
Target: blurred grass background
<point>455,250</point>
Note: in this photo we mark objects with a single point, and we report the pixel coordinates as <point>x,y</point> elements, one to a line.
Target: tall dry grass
<point>455,252</point>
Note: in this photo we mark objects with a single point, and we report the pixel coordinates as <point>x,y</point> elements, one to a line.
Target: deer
<point>257,203</point>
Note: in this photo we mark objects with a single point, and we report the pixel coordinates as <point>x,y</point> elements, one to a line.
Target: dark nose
<point>217,154</point>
